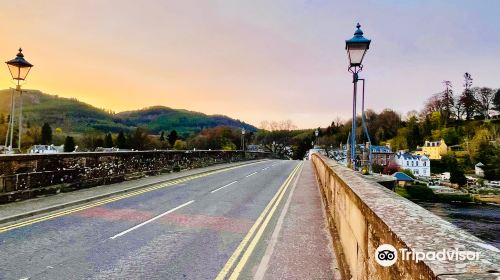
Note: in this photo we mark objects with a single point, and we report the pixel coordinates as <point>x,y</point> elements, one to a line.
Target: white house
<point>420,165</point>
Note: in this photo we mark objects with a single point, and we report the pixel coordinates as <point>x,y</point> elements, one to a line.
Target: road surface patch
<point>216,223</point>
<point>151,220</point>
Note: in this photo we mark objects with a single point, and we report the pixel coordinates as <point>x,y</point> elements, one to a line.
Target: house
<point>46,149</point>
<point>420,165</point>
<point>433,149</point>
<point>382,155</point>
<point>402,179</point>
<point>478,168</point>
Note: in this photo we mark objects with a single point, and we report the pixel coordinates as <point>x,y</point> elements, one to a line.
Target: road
<point>204,227</point>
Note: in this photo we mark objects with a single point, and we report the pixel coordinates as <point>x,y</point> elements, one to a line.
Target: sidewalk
<point>301,246</point>
<point>23,209</point>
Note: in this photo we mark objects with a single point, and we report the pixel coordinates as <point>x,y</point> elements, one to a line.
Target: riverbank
<point>424,193</point>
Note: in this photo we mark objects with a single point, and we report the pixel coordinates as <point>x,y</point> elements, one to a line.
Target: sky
<point>251,60</point>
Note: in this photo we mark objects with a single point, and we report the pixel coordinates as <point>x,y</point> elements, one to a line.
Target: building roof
<point>381,149</point>
<point>376,149</point>
<point>400,176</point>
<point>434,143</point>
<point>408,156</point>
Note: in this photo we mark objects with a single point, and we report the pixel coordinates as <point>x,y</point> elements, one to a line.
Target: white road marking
<point>265,168</point>
<point>251,174</point>
<point>152,219</point>
<point>224,186</point>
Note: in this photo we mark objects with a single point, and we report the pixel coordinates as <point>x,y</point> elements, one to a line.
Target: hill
<point>160,118</point>
<point>72,115</point>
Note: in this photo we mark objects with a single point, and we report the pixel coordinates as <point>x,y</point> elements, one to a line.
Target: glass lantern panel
<point>356,54</point>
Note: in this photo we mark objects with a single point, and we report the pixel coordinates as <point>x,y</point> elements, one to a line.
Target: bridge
<point>219,215</point>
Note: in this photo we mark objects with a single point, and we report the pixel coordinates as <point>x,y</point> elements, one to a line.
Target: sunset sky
<point>252,60</point>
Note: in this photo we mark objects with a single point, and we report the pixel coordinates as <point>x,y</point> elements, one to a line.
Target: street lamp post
<point>316,133</point>
<point>19,69</point>
<point>356,49</point>
<point>243,139</point>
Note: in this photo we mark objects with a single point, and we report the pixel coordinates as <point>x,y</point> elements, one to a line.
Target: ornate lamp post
<point>356,49</point>
<point>19,69</point>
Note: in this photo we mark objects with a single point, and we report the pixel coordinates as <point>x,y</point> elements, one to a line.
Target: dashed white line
<point>251,174</point>
<point>218,189</point>
<point>265,168</point>
<point>152,219</point>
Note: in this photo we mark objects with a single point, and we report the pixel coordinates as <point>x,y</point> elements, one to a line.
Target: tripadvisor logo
<point>386,255</point>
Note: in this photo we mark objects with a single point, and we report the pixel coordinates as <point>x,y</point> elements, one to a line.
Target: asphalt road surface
<point>203,227</point>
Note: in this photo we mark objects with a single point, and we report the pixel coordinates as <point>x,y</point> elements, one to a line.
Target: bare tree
<point>278,125</point>
<point>264,125</point>
<point>484,97</point>
<point>447,102</point>
<point>459,108</point>
<point>433,104</point>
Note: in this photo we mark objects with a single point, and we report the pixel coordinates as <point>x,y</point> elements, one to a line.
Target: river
<point>482,220</point>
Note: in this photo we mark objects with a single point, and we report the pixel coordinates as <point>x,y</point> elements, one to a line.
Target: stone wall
<point>364,215</point>
<point>26,176</point>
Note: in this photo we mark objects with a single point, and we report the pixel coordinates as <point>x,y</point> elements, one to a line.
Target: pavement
<point>260,220</point>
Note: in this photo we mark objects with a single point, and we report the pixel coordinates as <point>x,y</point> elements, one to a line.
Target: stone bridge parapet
<point>362,215</point>
<point>26,176</point>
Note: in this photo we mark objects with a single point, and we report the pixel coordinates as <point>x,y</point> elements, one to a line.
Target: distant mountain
<point>76,116</point>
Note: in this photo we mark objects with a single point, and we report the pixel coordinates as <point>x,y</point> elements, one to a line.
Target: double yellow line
<point>115,198</point>
<point>250,241</point>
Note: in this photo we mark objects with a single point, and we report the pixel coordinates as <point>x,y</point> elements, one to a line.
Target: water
<point>481,220</point>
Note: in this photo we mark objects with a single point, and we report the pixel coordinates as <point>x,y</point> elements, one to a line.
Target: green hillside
<point>75,116</point>
<point>160,118</point>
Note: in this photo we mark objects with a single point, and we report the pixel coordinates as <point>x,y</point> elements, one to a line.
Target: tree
<point>46,134</point>
<point>484,99</point>
<point>172,137</point>
<point>99,142</point>
<point>496,101</point>
<point>457,176</point>
<point>162,136</point>
<point>121,141</point>
<point>108,141</point>
<point>447,102</point>
<point>391,168</point>
<point>69,144</point>
<point>415,137</point>
<point>467,98</point>
<point>179,145</point>
<point>456,172</point>
<point>139,139</point>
